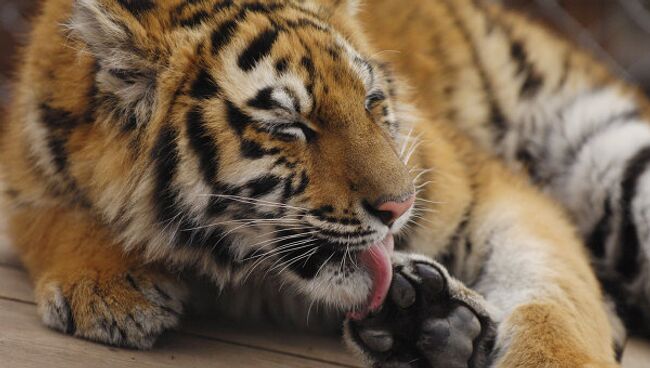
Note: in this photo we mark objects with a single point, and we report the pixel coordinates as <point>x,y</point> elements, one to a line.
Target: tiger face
<point>270,138</point>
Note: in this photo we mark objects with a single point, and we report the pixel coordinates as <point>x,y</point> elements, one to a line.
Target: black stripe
<point>263,185</point>
<point>288,188</point>
<point>222,5</point>
<point>628,263</point>
<point>137,7</point>
<point>59,124</point>
<point>302,186</point>
<point>237,119</point>
<point>308,64</point>
<point>531,85</point>
<point>258,49</point>
<point>58,151</point>
<point>282,65</point>
<point>204,86</point>
<point>532,81</point>
<point>222,35</point>
<point>340,220</point>
<point>166,200</point>
<point>306,23</point>
<point>203,145</point>
<point>307,268</point>
<point>597,240</point>
<point>57,118</point>
<point>195,20</point>
<point>180,8</point>
<point>220,243</point>
<point>497,118</point>
<point>374,99</point>
<point>214,238</point>
<point>253,150</point>
<point>614,120</point>
<point>166,159</point>
<point>340,234</point>
<point>191,233</point>
<point>217,205</point>
<point>322,211</point>
<point>263,100</point>
<point>259,7</point>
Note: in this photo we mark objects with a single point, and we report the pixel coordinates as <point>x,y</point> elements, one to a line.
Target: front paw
<point>427,320</point>
<point>130,309</point>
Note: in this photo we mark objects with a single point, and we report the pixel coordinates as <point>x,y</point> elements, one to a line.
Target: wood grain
<point>321,350</point>
<point>24,342</point>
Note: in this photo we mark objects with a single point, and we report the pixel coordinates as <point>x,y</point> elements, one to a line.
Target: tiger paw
<point>427,320</point>
<point>130,310</point>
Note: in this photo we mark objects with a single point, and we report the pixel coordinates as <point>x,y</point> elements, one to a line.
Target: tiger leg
<point>88,287</point>
<point>538,280</point>
<point>536,285</point>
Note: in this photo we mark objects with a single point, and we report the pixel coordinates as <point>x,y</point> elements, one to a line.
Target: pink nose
<point>388,212</point>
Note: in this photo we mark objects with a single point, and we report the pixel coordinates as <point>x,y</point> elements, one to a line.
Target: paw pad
<point>420,324</point>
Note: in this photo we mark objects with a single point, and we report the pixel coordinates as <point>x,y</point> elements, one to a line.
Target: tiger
<point>413,168</point>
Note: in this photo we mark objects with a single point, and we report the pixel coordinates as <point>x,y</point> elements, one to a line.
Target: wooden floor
<point>25,343</point>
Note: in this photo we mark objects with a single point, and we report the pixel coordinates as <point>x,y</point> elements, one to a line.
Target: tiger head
<point>268,139</point>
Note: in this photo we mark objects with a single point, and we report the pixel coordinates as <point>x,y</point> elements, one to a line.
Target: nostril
<point>389,211</point>
<point>386,217</point>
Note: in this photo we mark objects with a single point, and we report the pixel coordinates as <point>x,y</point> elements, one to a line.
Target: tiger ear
<point>347,7</point>
<point>126,75</point>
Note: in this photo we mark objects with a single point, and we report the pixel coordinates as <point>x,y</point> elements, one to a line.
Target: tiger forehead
<point>292,33</point>
<point>274,55</point>
<point>292,27</point>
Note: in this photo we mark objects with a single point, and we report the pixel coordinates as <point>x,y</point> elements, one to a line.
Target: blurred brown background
<point>13,31</point>
<point>617,31</point>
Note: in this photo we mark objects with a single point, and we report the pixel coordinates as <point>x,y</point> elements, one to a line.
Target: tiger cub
<point>270,140</point>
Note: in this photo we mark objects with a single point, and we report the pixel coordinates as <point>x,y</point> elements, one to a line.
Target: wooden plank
<point>323,348</point>
<point>8,255</point>
<point>24,343</point>
<point>637,354</point>
<point>14,285</point>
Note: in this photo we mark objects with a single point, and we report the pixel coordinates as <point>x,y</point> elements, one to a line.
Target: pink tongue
<point>376,260</point>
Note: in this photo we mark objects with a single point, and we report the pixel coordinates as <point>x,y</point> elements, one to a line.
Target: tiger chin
<point>267,139</point>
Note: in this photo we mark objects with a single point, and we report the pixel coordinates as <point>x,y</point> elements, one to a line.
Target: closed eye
<point>290,131</point>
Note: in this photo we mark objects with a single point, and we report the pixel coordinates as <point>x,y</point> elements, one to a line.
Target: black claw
<point>432,280</point>
<point>402,292</point>
<point>380,341</point>
<point>67,316</point>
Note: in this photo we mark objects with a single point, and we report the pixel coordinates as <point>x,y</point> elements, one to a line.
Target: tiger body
<point>271,141</point>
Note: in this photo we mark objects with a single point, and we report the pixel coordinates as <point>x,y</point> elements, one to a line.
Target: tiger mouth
<point>376,260</point>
